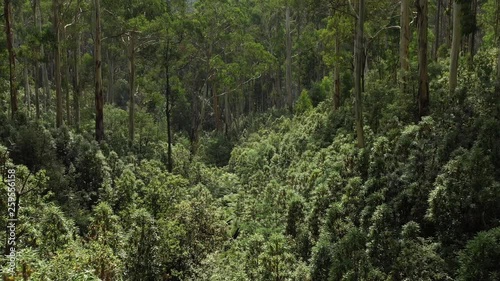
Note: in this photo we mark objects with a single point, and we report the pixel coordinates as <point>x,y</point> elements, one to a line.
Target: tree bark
<point>26,81</point>
<point>76,73</point>
<point>57,56</point>
<point>437,30</point>
<point>472,36</point>
<point>168,111</point>
<point>111,80</point>
<point>227,116</point>
<point>38,83</point>
<point>455,46</point>
<point>12,57</point>
<point>45,81</point>
<point>99,97</point>
<point>27,90</point>
<point>288,59</point>
<point>66,88</point>
<point>217,115</point>
<point>76,84</point>
<point>423,82</point>
<point>336,73</point>
<point>358,71</point>
<point>404,45</point>
<point>37,71</point>
<point>497,40</point>
<point>131,105</point>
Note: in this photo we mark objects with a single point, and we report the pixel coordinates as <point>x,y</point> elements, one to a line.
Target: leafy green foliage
<point>256,192</point>
<point>479,259</point>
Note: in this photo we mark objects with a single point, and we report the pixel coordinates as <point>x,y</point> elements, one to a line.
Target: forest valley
<point>280,140</point>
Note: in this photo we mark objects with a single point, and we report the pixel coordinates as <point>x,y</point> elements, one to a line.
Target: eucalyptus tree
<point>423,84</point>
<point>456,42</point>
<point>56,26</point>
<point>7,12</point>
<point>404,45</point>
<point>358,70</point>
<point>99,96</point>
<point>288,80</point>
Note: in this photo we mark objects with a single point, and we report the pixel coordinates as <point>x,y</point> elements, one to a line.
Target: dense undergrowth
<point>292,198</point>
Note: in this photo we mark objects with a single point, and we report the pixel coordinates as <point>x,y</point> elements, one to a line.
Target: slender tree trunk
<point>437,30</point>
<point>404,45</point>
<point>358,71</point>
<point>99,97</point>
<point>497,38</point>
<point>45,81</point>
<point>227,116</point>
<point>250,102</point>
<point>27,90</point>
<point>455,48</point>
<point>217,115</point>
<point>278,94</point>
<point>45,76</point>
<point>26,81</point>
<point>423,83</point>
<point>336,73</point>
<point>7,9</point>
<point>131,105</point>
<point>194,120</point>
<point>111,79</point>
<point>449,34</point>
<point>76,72</point>
<point>76,84</point>
<point>37,72</point>
<point>169,129</point>
<point>66,88</point>
<point>472,36</point>
<point>288,82</point>
<point>57,56</point>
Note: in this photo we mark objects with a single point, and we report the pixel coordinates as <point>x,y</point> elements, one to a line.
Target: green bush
<point>481,257</point>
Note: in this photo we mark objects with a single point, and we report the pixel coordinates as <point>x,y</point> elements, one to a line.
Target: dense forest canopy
<point>250,140</point>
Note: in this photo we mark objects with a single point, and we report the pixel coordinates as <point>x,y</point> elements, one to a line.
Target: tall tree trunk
<point>404,45</point>
<point>227,116</point>
<point>217,115</point>
<point>37,72</point>
<point>497,40</point>
<point>111,80</point>
<point>472,35</point>
<point>27,90</point>
<point>99,97</point>
<point>57,56</point>
<point>437,30</point>
<point>168,111</point>
<point>7,11</point>
<point>76,84</point>
<point>455,48</point>
<point>131,105</point>
<point>336,73</point>
<point>76,72</point>
<point>449,34</point>
<point>26,81</point>
<point>45,81</point>
<point>45,76</point>
<point>250,102</point>
<point>288,59</point>
<point>66,87</point>
<point>277,97</point>
<point>423,81</point>
<point>358,71</point>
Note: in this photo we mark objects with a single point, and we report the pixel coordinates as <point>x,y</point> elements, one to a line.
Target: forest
<point>233,140</point>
